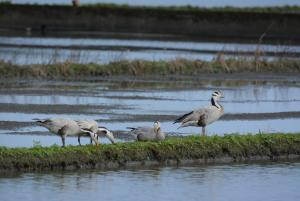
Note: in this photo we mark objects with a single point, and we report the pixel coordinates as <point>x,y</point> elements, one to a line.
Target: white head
<point>107,133</point>
<point>156,126</point>
<point>217,95</point>
<point>91,133</point>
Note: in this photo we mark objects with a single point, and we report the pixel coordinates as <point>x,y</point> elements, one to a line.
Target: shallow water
<point>252,106</point>
<point>20,140</point>
<point>184,45</point>
<point>52,50</point>
<point>248,182</point>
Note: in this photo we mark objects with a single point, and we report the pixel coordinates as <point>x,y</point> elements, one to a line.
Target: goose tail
<point>39,120</point>
<point>131,128</point>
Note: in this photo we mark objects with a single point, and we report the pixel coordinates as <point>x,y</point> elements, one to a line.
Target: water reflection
<point>269,181</point>
<point>53,50</point>
<point>11,140</point>
<point>86,42</point>
<point>49,56</point>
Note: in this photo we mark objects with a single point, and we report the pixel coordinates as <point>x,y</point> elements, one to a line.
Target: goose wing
<point>143,133</point>
<point>191,116</point>
<point>139,130</point>
<point>196,117</point>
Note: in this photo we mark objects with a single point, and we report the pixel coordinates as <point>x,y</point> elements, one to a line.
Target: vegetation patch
<point>142,67</point>
<point>236,147</point>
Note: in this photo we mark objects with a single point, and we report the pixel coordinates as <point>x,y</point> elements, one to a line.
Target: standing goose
<point>92,125</point>
<point>65,127</point>
<point>148,133</point>
<point>203,116</point>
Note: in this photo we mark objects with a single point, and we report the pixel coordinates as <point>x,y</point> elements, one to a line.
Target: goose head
<point>91,133</point>
<point>156,126</point>
<point>107,133</point>
<point>217,95</point>
<point>160,135</point>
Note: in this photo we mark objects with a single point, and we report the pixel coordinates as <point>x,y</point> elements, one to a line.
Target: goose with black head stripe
<point>202,117</point>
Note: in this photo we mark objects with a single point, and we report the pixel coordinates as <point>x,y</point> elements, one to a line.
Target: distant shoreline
<point>275,24</point>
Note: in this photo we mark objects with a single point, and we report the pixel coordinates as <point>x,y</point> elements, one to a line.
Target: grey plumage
<point>64,127</point>
<point>203,116</point>
<point>148,133</point>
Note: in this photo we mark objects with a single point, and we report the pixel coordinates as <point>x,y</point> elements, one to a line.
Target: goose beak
<point>110,136</point>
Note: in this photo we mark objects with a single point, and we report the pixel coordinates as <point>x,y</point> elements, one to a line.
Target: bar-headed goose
<point>203,116</point>
<point>65,127</point>
<point>148,133</point>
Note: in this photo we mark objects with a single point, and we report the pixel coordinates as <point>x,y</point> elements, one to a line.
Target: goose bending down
<point>65,127</point>
<point>148,133</point>
<point>203,116</point>
<point>92,125</point>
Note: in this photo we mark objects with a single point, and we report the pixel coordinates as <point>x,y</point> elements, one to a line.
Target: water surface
<point>42,50</point>
<point>235,182</point>
<point>252,106</point>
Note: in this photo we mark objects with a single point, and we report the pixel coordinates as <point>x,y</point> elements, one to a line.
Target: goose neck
<point>215,103</point>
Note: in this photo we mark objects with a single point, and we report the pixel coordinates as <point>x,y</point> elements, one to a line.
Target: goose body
<point>148,133</point>
<point>202,117</point>
<point>64,127</point>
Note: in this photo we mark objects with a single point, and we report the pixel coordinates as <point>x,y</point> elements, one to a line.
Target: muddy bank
<point>181,23</point>
<point>174,151</point>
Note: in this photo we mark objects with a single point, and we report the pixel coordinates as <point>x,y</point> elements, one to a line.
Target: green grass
<point>194,147</point>
<point>142,68</point>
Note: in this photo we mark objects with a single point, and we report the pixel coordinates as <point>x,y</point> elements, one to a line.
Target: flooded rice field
<point>248,182</point>
<point>252,105</point>
<point>41,50</point>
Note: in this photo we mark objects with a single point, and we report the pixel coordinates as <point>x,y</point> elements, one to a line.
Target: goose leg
<point>91,140</point>
<point>79,140</point>
<point>63,140</point>
<point>203,131</point>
